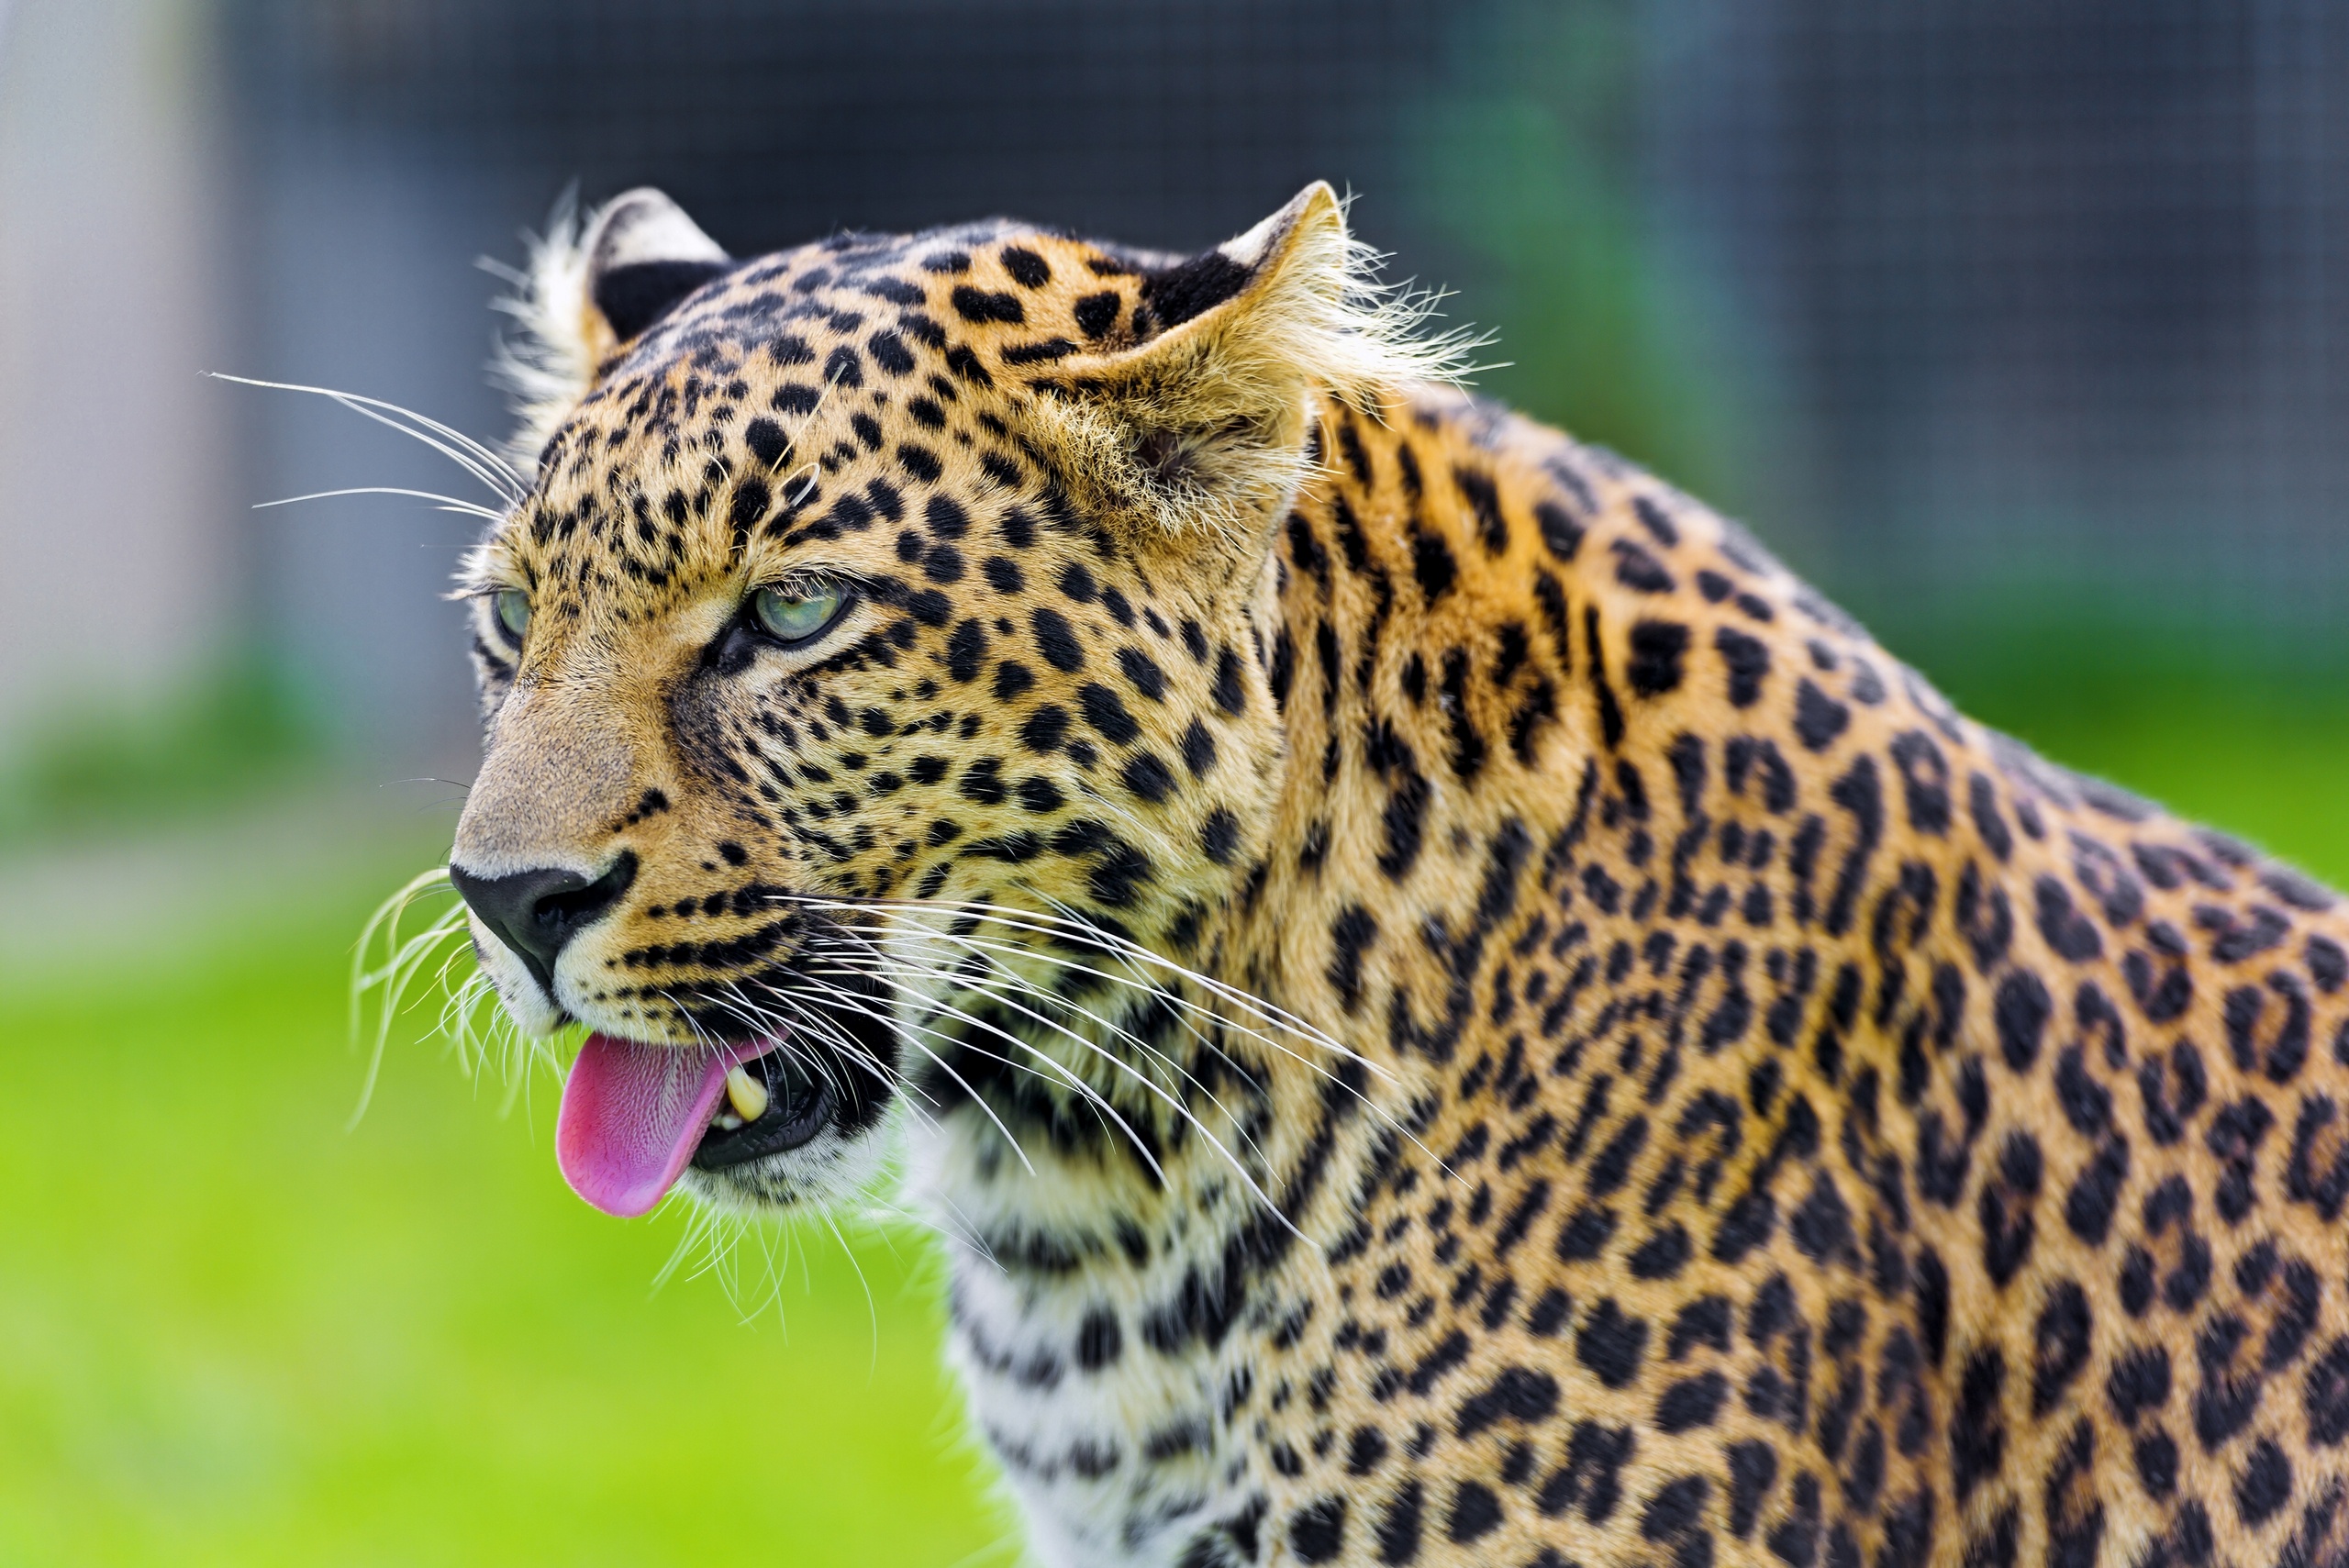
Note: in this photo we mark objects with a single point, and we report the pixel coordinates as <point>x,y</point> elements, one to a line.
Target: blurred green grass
<point>239,1334</point>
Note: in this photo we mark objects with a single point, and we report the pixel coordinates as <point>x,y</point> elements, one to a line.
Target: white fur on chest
<point>1110,1425</point>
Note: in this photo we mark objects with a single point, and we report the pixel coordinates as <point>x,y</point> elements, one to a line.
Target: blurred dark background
<point>2012,322</point>
<point>2018,325</point>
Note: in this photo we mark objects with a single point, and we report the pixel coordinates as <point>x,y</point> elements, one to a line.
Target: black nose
<point>536,912</point>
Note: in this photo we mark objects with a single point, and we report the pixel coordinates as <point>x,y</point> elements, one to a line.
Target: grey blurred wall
<point>119,559</point>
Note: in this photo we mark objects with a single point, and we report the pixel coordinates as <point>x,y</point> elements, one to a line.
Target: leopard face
<point>884,610</point>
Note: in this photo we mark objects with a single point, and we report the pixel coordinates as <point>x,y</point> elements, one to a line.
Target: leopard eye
<point>799,614</point>
<point>513,607</point>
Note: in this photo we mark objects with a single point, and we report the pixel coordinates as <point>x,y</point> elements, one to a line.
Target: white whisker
<point>447,502</point>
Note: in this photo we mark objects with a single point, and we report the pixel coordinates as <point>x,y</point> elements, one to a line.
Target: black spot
<point>2088,1206</point>
<point>1638,571</point>
<point>1657,649</point>
<point>1518,1394</point>
<point>987,304</point>
<point>1148,776</point>
<point>1676,1506</point>
<point>1098,1340</point>
<point>1611,1343</point>
<point>1558,529</point>
<point>1143,672</point>
<point>1027,268</point>
<point>1591,1474</point>
<point>1818,718</point>
<point>1753,1466</point>
<point>1692,1402</point>
<point>1924,778</point>
<point>966,651</point>
<point>1402,823</point>
<point>1230,692</point>
<point>2020,1011</point>
<point>1664,1255</point>
<point>749,505</point>
<point>1978,1439</point>
<point>1011,679</point>
<point>1747,1224</point>
<point>1433,565</point>
<point>766,440</point>
<point>1483,501</point>
<point>965,365</point>
<point>1039,795</point>
<point>1097,313</point>
<point>889,351</point>
<point>2264,1484</point>
<point>1056,640</point>
<point>1219,836</point>
<point>1355,930</point>
<point>1105,710</point>
<point>2071,934</point>
<point>1982,797</point>
<point>1748,659</point>
<point>2326,1395</point>
<point>1198,749</point>
<point>2060,1345</point>
<point>1475,1513</point>
<point>1398,1526</point>
<point>1318,1530</point>
<point>2139,1382</point>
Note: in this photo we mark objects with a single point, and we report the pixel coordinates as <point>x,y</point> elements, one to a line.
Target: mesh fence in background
<point>1967,304</point>
<point>2053,296</point>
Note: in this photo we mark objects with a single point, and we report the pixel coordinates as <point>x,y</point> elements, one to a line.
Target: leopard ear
<point>1205,423</point>
<point>591,287</point>
<point>643,256</point>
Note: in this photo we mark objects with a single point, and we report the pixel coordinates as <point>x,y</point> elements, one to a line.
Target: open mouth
<point>634,1116</point>
<point>771,1103</point>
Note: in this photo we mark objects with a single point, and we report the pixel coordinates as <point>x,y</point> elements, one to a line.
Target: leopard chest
<point>1102,1343</point>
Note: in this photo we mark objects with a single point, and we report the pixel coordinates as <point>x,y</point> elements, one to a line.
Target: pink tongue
<point>632,1116</point>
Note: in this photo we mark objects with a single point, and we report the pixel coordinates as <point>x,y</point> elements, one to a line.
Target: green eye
<point>513,607</point>
<point>795,617</point>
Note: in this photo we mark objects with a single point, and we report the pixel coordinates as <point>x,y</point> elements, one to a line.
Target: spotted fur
<point>1451,1010</point>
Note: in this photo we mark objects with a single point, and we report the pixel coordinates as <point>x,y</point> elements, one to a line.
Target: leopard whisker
<point>1172,1104</point>
<point>1180,1074</point>
<point>482,462</point>
<point>447,502</point>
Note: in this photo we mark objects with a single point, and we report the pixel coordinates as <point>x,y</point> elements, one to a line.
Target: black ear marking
<point>633,297</point>
<point>1193,287</point>
<point>643,256</point>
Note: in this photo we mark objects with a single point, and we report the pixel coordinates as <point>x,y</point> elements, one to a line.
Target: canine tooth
<point>746,1093</point>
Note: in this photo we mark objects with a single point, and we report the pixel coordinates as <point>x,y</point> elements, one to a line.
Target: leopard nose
<point>536,913</point>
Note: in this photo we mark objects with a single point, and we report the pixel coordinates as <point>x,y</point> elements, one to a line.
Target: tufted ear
<point>588,291</point>
<point>1204,424</point>
<point>643,256</point>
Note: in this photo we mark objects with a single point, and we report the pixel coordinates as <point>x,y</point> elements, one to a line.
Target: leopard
<point>1442,1007</point>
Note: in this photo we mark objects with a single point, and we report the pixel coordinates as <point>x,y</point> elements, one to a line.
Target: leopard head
<point>884,647</point>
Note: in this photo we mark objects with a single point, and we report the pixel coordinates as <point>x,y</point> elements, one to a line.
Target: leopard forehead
<point>849,391</point>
